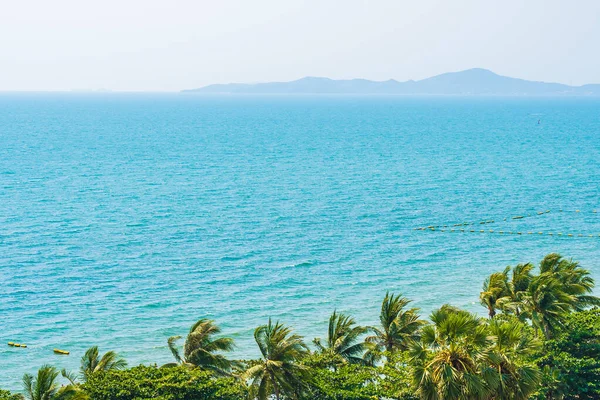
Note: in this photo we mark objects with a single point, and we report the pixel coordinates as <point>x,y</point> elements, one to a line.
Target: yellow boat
<point>64,352</point>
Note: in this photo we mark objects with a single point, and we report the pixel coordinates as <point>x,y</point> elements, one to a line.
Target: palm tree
<point>343,339</point>
<point>44,386</point>
<point>91,362</point>
<point>517,287</point>
<point>399,328</point>
<point>562,287</point>
<point>278,372</point>
<point>505,290</point>
<point>546,303</point>
<point>449,357</point>
<point>575,280</point>
<point>517,379</point>
<point>495,287</point>
<point>201,348</point>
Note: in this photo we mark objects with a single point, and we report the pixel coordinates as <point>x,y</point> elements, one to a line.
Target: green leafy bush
<point>332,379</point>
<point>6,395</point>
<point>349,382</point>
<point>571,361</point>
<point>176,383</point>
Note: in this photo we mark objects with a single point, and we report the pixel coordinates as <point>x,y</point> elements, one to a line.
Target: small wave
<point>303,264</point>
<point>238,257</point>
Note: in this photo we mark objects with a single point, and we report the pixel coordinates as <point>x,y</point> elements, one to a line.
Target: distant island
<point>476,81</point>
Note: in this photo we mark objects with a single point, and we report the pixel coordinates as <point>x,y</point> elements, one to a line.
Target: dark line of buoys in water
<point>492,221</point>
<point>13,344</point>
<point>517,233</point>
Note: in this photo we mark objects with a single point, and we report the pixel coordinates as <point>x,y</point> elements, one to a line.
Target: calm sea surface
<point>125,218</point>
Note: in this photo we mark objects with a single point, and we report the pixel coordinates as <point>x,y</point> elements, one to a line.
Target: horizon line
<point>108,90</point>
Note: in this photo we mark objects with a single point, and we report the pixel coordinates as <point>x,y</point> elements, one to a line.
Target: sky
<point>149,45</point>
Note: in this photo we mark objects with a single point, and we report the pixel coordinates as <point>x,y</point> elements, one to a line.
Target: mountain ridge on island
<point>475,81</point>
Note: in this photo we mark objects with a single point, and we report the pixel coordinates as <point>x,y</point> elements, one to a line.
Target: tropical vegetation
<point>92,363</point>
<point>202,349</point>
<point>399,328</point>
<point>278,373</point>
<point>344,344</point>
<point>539,339</point>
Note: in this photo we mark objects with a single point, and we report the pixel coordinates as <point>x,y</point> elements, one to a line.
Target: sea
<point>124,217</point>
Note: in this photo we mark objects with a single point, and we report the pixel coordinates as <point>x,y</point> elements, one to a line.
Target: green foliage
<point>449,361</point>
<point>176,383</point>
<point>495,288</point>
<point>323,360</point>
<point>202,349</point>
<point>279,372</point>
<point>92,363</point>
<point>510,358</point>
<point>358,381</point>
<point>572,359</point>
<point>343,340</point>
<point>561,287</point>
<point>395,379</point>
<point>461,356</point>
<point>399,327</point>
<point>6,395</point>
<point>43,386</point>
<point>348,382</point>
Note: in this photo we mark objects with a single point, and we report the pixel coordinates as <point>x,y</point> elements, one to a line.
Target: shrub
<point>572,359</point>
<point>6,395</point>
<point>349,382</point>
<point>175,383</point>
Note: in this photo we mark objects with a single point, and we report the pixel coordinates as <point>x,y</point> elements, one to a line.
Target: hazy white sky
<point>178,44</point>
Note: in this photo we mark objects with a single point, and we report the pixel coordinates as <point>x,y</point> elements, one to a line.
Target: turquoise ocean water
<point>124,218</point>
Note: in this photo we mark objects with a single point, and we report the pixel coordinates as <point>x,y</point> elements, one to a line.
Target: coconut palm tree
<point>343,339</point>
<point>517,287</point>
<point>562,287</point>
<point>201,348</point>
<point>546,303</point>
<point>504,290</point>
<point>399,328</point>
<point>517,379</point>
<point>495,287</point>
<point>278,373</point>
<point>449,362</point>
<point>44,386</point>
<point>92,363</point>
<point>576,281</point>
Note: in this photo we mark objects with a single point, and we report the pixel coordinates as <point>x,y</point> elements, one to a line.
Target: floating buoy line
<point>504,232</point>
<point>475,227</point>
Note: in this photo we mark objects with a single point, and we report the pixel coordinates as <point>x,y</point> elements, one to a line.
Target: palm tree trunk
<point>546,331</point>
<point>389,348</point>
<point>275,387</point>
